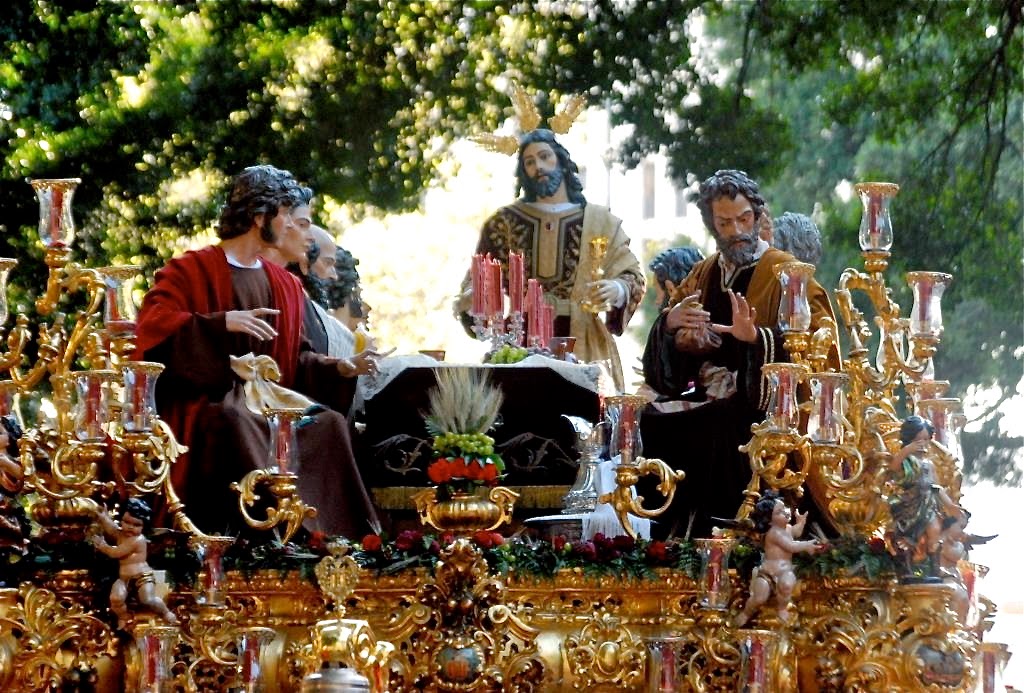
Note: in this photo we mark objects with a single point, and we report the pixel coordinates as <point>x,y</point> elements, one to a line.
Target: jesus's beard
<point>739,249</point>
<point>538,188</point>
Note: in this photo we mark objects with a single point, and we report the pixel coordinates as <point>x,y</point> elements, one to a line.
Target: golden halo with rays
<point>529,118</point>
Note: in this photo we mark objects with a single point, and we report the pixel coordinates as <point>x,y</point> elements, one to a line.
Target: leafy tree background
<point>156,105</point>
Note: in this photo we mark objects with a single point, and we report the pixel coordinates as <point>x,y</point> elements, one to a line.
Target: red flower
<point>558,542</point>
<point>371,542</point>
<point>497,539</point>
<point>658,551</point>
<point>624,542</point>
<point>408,539</point>
<point>585,550</point>
<point>489,472</point>
<point>447,538</point>
<point>439,471</point>
<point>484,539</point>
<point>473,470</point>
<point>318,541</point>
<point>457,469</point>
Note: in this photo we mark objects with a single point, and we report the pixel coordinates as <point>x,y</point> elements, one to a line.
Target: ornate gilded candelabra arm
<point>145,447</point>
<point>51,345</point>
<point>887,315</point>
<point>850,486</point>
<point>176,509</point>
<point>73,467</point>
<point>211,634</point>
<point>56,259</point>
<point>823,341</point>
<point>16,342</point>
<point>288,508</point>
<point>769,453</point>
<point>623,500</point>
<point>85,321</point>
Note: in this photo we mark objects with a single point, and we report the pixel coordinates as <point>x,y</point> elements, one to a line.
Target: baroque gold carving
<point>603,653</point>
<point>467,639</point>
<point>42,638</point>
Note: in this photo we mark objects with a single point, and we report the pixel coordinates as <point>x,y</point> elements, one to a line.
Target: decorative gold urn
<point>466,511</point>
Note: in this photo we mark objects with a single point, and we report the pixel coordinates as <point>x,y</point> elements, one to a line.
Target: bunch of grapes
<point>473,444</point>
<point>507,353</point>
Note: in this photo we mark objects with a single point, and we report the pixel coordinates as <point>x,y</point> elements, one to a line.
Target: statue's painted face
<point>131,525</point>
<point>543,174</point>
<point>781,513</point>
<point>735,231</point>
<point>292,233</point>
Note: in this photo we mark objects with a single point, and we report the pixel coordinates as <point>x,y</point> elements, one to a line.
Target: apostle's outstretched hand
<point>366,362</point>
<point>251,322</point>
<point>744,315</point>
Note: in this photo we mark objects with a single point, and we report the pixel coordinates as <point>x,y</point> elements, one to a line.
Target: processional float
<point>462,627</point>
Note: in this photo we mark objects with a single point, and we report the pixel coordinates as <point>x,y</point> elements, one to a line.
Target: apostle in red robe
<point>223,301</point>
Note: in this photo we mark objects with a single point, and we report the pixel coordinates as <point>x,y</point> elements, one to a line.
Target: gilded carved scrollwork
<point>43,637</point>
<point>603,653</point>
<point>461,636</point>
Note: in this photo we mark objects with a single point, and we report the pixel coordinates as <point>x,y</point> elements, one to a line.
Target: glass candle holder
<point>828,394</point>
<point>782,414</point>
<point>993,656</point>
<point>138,408</point>
<point>664,663</point>
<point>926,389</point>
<point>622,416</point>
<point>875,224</point>
<point>119,312</point>
<point>794,311</point>
<point>211,550</point>
<point>715,585</point>
<point>757,649</point>
<point>6,265</point>
<point>926,315</point>
<point>251,643</point>
<point>945,415</point>
<point>91,409</point>
<point>56,224</point>
<point>155,645</point>
<point>284,447</point>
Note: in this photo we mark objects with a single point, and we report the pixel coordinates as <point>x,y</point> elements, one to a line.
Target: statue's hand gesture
<point>251,322</point>
<point>743,325</point>
<point>687,314</point>
<point>603,292</point>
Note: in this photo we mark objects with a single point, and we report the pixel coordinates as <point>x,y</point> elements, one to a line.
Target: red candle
<point>497,298</point>
<point>478,285</point>
<point>532,318</point>
<point>56,207</point>
<point>924,291</point>
<point>874,206</point>
<point>515,281</point>
<point>92,408</point>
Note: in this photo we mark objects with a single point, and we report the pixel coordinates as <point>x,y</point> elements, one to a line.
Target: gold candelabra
<point>624,417</point>
<point>100,413</point>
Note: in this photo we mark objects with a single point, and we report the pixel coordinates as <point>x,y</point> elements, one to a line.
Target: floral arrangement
<point>463,407</point>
